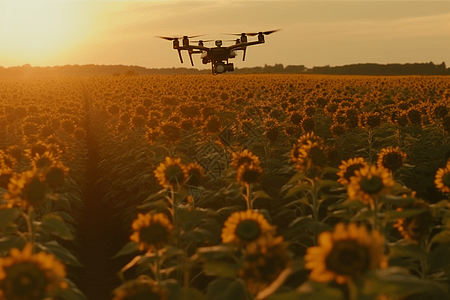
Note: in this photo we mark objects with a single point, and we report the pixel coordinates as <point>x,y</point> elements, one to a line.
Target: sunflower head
<point>151,232</point>
<point>28,276</point>
<point>347,253</point>
<point>245,156</point>
<point>171,173</point>
<point>311,156</point>
<point>442,179</point>
<point>347,169</point>
<point>140,288</point>
<point>195,174</point>
<point>262,265</point>
<point>249,174</point>
<point>416,227</point>
<point>369,183</point>
<point>245,227</point>
<point>27,189</point>
<point>391,158</point>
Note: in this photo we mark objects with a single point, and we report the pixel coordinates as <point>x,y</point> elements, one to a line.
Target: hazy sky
<point>314,33</point>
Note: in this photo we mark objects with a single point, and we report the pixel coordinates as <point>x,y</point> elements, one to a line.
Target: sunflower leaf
<point>8,215</point>
<point>54,224</point>
<point>220,269</point>
<point>411,250</point>
<point>60,252</point>
<point>407,213</point>
<point>129,248</point>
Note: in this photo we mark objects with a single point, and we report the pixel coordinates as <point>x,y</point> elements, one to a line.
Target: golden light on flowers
<point>391,158</point>
<point>28,276</point>
<point>311,138</point>
<point>347,169</point>
<point>245,156</point>
<point>249,174</point>
<point>43,161</point>
<point>243,227</point>
<point>171,173</point>
<point>369,183</point>
<point>195,174</point>
<point>442,179</point>
<point>347,253</point>
<point>5,175</point>
<point>26,188</point>
<point>151,231</point>
<point>140,288</point>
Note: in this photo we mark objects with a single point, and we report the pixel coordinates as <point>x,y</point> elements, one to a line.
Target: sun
<point>35,30</point>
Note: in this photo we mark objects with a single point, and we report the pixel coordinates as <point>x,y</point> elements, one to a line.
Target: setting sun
<point>37,31</point>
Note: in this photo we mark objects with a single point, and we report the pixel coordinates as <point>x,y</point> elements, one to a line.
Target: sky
<point>313,33</point>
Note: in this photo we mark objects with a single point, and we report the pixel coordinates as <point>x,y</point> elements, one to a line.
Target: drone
<point>218,56</point>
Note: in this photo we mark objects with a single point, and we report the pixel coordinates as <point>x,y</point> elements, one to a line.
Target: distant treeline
<point>121,70</point>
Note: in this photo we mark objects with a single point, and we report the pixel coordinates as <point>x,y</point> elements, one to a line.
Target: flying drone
<point>218,56</point>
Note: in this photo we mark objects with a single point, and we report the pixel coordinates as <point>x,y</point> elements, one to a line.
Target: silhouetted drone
<point>218,56</point>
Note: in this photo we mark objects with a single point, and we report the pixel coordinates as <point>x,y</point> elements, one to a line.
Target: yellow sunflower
<point>151,232</point>
<point>391,158</point>
<point>347,169</point>
<point>244,227</point>
<point>249,174</point>
<point>26,189</point>
<point>369,183</point>
<point>262,265</point>
<point>171,173</point>
<point>140,288</point>
<point>311,155</point>
<point>308,138</point>
<point>28,276</point>
<point>347,253</point>
<point>418,226</point>
<point>55,175</point>
<point>5,175</point>
<point>43,161</point>
<point>195,174</point>
<point>442,179</point>
<point>245,156</point>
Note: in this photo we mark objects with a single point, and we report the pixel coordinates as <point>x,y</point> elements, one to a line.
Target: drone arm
<point>245,51</point>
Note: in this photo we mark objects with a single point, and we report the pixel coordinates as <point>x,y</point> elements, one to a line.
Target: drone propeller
<point>203,41</point>
<point>254,33</point>
<point>179,38</point>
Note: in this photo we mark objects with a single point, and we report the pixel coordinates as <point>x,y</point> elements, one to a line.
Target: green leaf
<point>159,204</point>
<point>189,293</point>
<point>174,287</point>
<point>439,258</point>
<point>8,215</point>
<point>71,293</point>
<point>129,248</point>
<point>220,269</point>
<point>60,252</point>
<point>327,183</point>
<point>291,295</point>
<point>216,252</point>
<point>7,243</point>
<point>442,237</point>
<point>298,176</point>
<point>297,189</point>
<point>411,250</point>
<point>353,203</point>
<point>260,195</point>
<point>54,224</point>
<point>300,222</point>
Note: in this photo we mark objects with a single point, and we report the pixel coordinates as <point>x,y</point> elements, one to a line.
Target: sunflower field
<point>243,187</point>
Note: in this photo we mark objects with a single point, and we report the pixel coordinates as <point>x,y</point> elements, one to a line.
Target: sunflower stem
<point>157,266</point>
<point>249,195</point>
<point>352,290</point>
<point>370,133</point>
<point>28,218</point>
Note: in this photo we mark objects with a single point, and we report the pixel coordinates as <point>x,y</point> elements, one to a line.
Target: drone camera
<point>218,43</point>
<point>222,68</point>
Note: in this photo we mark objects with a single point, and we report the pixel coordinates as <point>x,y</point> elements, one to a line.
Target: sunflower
<point>140,288</point>
<point>310,137</point>
<point>43,161</point>
<point>5,175</point>
<point>28,276</point>
<point>347,169</point>
<point>171,173</point>
<point>245,156</point>
<point>442,180</point>
<point>370,119</point>
<point>311,156</point>
<point>244,227</point>
<point>347,253</point>
<point>262,266</point>
<point>369,183</point>
<point>26,189</point>
<point>249,174</point>
<point>55,175</point>
<point>418,226</point>
<point>151,232</point>
<point>152,135</point>
<point>7,160</point>
<point>195,174</point>
<point>391,158</point>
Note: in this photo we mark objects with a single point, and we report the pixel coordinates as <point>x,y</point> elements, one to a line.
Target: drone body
<point>218,56</point>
